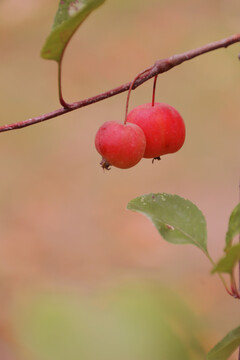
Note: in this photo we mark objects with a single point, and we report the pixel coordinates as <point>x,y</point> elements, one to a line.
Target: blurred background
<point>74,263</point>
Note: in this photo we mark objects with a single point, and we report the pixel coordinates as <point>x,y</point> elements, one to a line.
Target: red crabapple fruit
<point>163,127</point>
<point>121,145</point>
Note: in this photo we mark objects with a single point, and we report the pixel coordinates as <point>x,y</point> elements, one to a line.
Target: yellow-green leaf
<point>233,226</point>
<point>179,221</point>
<point>134,321</point>
<point>69,16</point>
<point>226,346</point>
<point>227,263</point>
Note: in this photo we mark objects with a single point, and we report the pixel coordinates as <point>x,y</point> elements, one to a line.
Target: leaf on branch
<point>228,262</point>
<point>179,221</point>
<point>69,16</point>
<point>233,227</point>
<point>226,346</point>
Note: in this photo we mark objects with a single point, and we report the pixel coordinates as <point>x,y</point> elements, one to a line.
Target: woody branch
<point>159,67</point>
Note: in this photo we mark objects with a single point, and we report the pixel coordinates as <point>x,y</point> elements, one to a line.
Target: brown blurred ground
<point>63,222</point>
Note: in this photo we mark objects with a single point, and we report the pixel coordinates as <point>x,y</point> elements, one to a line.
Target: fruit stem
<point>130,89</point>
<point>154,90</point>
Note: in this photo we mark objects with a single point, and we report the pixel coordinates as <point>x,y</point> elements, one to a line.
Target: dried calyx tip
<point>156,158</point>
<point>105,165</point>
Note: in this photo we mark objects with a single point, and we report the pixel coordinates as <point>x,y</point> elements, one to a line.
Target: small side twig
<point>159,67</point>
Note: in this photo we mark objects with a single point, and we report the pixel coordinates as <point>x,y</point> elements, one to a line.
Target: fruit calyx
<point>105,164</point>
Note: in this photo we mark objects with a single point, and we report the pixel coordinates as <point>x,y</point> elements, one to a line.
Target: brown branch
<point>159,67</point>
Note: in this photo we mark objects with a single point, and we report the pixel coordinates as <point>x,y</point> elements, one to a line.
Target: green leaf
<point>179,221</point>
<point>233,227</point>
<point>134,321</point>
<point>228,262</point>
<point>226,346</point>
<point>70,14</point>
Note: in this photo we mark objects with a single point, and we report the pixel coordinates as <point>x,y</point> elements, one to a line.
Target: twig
<point>159,67</point>
<point>230,292</point>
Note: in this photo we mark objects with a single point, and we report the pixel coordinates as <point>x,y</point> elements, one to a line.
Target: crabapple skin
<point>163,127</point>
<point>121,145</point>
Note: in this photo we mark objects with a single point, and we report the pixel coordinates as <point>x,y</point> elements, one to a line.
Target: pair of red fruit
<point>149,131</point>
